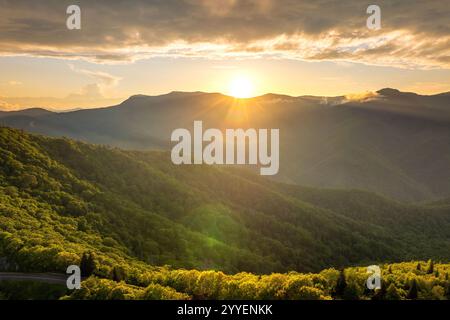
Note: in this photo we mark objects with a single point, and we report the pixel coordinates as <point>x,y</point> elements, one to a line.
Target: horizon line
<point>72,109</point>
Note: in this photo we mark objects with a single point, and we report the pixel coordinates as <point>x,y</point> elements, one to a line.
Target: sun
<point>241,87</point>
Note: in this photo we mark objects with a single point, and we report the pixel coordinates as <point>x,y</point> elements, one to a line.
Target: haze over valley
<point>389,142</point>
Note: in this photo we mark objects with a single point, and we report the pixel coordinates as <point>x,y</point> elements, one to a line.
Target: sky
<point>294,47</point>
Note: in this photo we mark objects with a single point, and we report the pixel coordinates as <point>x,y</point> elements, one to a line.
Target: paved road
<point>42,277</point>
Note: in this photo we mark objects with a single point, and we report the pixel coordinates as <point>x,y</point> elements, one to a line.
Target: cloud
<point>104,78</point>
<point>93,91</point>
<point>5,106</point>
<point>429,86</point>
<point>14,83</point>
<point>86,98</point>
<point>414,34</point>
<point>361,97</point>
<point>90,95</point>
<point>11,83</point>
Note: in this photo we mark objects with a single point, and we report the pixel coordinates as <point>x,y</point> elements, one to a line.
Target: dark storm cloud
<point>115,31</point>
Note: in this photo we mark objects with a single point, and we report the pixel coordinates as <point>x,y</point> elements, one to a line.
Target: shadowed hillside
<point>60,198</point>
<point>395,143</point>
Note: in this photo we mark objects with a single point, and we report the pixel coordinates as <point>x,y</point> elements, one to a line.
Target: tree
<point>430,267</point>
<point>88,264</point>
<point>341,285</point>
<point>438,293</point>
<point>447,290</point>
<point>310,293</point>
<point>118,273</point>
<point>412,293</point>
<point>380,293</point>
<point>28,181</point>
<point>392,293</point>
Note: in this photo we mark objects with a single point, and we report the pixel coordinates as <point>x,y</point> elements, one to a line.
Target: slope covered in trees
<point>400,281</point>
<point>61,198</point>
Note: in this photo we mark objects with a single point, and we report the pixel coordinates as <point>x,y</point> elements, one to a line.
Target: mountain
<point>393,143</point>
<point>31,112</point>
<point>61,199</point>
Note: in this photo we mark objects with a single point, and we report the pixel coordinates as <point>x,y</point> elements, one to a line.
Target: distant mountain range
<point>393,143</point>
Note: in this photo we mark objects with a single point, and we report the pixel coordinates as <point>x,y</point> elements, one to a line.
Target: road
<point>56,278</point>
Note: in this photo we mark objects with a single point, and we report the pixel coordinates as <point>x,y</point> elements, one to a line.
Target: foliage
<point>404,282</point>
<point>25,290</point>
<point>143,228</point>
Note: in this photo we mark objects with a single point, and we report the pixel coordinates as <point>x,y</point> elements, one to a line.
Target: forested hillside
<point>400,281</point>
<point>121,214</point>
<point>408,280</point>
<point>61,198</point>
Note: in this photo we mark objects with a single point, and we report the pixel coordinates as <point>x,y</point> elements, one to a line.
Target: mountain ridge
<point>387,90</point>
<point>363,143</point>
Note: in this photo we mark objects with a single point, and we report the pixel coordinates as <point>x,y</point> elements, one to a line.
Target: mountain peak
<point>170,94</point>
<point>33,112</point>
<point>388,91</point>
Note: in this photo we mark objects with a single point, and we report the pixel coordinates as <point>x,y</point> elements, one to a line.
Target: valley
<point>152,224</point>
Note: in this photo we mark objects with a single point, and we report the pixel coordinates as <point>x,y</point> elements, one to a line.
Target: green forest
<point>143,228</point>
